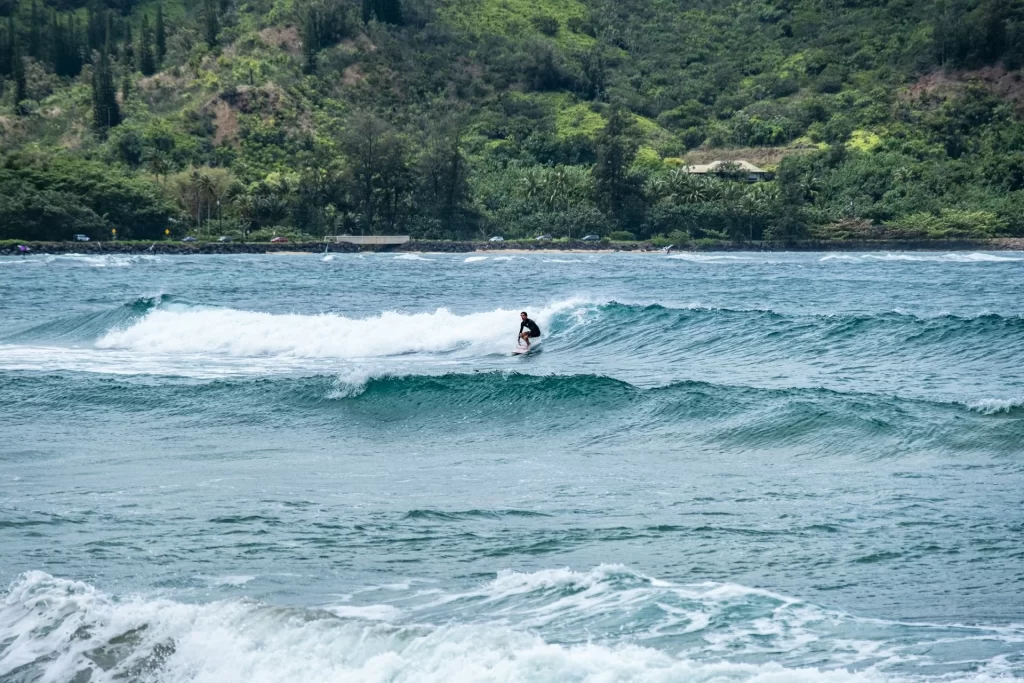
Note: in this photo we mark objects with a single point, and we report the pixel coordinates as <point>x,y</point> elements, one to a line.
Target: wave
<point>977,257</point>
<point>570,409</point>
<point>168,324</point>
<point>91,326</point>
<point>609,623</point>
<point>103,260</point>
<point>252,334</point>
<point>995,406</point>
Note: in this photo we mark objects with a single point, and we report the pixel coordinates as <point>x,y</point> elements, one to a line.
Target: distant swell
<point>591,408</point>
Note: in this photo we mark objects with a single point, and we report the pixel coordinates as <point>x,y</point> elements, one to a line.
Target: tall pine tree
<point>105,112</point>
<point>18,73</point>
<point>161,36</point>
<point>7,49</point>
<point>211,23</point>
<point>147,62</point>
<point>128,48</point>
<point>35,32</point>
<point>386,11</point>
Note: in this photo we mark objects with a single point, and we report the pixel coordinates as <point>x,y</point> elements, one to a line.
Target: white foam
<point>250,334</point>
<point>474,259</point>
<point>709,258</point>
<point>369,612</point>
<point>54,628</point>
<point>994,406</point>
<point>104,260</point>
<point>919,257</point>
<point>229,580</point>
<point>410,257</point>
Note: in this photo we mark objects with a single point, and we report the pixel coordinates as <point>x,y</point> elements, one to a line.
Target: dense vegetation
<point>466,118</point>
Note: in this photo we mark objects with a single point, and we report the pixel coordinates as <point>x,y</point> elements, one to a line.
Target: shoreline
<point>470,247</point>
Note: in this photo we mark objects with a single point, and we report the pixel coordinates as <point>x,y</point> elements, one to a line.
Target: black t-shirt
<point>530,325</point>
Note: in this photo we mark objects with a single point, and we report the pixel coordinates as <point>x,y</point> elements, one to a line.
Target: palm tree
<point>207,190</point>
<point>246,208</point>
<point>158,165</point>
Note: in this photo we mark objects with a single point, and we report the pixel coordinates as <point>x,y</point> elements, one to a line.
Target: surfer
<point>527,330</point>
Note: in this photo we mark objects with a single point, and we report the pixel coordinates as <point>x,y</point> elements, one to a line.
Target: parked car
<point>543,238</point>
<point>497,238</point>
<point>225,238</point>
<point>188,239</point>
<point>278,240</point>
<point>591,238</point>
<point>81,238</point>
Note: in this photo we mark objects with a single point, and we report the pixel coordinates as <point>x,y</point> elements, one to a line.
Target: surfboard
<point>520,350</point>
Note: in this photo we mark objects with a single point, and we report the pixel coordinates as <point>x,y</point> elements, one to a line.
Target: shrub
<point>622,236</point>
<point>547,25</point>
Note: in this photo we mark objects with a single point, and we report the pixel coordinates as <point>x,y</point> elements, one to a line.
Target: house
<point>753,173</point>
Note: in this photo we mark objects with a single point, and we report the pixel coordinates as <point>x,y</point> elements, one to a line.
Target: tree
<point>211,22</point>
<point>616,150</point>
<point>35,32</point>
<point>376,161</point>
<point>593,76</point>
<point>127,56</point>
<point>443,173</point>
<point>18,73</point>
<point>105,111</point>
<point>147,61</point>
<point>65,47</point>
<point>161,35</point>
<point>385,11</point>
<point>5,58</point>
<point>158,165</point>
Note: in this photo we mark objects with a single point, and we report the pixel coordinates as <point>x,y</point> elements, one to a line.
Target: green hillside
<point>467,118</point>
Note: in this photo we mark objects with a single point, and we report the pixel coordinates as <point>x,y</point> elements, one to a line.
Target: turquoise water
<point>741,467</point>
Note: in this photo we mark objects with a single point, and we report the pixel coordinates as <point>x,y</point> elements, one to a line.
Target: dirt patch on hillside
<point>995,79</point>
<point>286,38</point>
<point>73,138</point>
<point>360,43</point>
<point>352,75</point>
<point>224,108</point>
<point>164,79</point>
<point>765,157</point>
<point>225,122</point>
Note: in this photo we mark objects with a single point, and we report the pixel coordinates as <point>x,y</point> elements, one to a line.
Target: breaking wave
<point>514,627</point>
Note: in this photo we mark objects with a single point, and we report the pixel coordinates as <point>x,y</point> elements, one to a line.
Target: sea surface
<point>312,468</point>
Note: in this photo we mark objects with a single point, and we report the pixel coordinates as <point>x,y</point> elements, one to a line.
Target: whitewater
<point>713,467</point>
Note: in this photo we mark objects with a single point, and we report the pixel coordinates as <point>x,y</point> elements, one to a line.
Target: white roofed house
<point>752,173</point>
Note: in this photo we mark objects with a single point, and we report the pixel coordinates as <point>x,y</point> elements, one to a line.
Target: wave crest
<point>326,335</point>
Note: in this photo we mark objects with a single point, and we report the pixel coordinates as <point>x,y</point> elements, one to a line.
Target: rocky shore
<point>189,248</point>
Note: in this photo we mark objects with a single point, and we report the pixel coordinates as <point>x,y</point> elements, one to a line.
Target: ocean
<point>713,467</point>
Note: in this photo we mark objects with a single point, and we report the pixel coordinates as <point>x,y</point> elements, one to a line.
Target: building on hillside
<point>753,173</point>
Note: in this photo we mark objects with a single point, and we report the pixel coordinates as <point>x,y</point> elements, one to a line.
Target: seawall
<point>189,248</point>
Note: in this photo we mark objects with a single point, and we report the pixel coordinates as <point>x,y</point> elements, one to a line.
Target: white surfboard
<point>520,350</point>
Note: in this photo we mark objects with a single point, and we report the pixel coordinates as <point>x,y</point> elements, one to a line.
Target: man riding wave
<point>527,330</point>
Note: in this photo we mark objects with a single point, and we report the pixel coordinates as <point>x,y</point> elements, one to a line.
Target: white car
<point>497,238</point>
<point>81,238</point>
